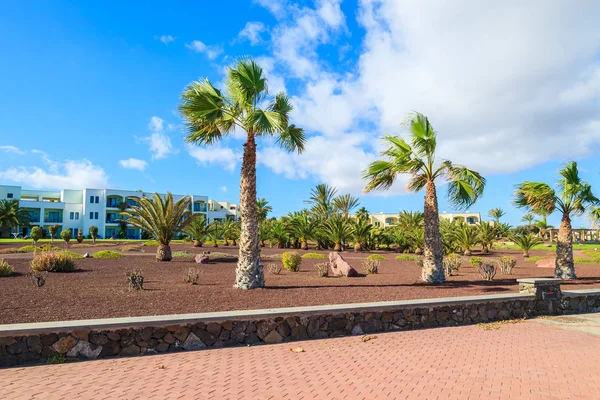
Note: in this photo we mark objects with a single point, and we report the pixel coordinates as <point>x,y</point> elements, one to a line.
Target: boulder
<point>339,266</point>
<point>202,259</point>
<point>85,349</point>
<point>87,255</point>
<point>193,342</point>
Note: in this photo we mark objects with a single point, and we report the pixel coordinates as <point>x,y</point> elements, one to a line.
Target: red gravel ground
<point>99,290</point>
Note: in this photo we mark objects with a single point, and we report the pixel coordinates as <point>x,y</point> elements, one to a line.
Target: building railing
<point>53,219</point>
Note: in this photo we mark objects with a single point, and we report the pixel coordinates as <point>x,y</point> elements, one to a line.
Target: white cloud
<point>156,124</point>
<point>11,149</point>
<point>166,39</point>
<point>223,188</point>
<point>159,143</point>
<point>133,163</point>
<point>211,52</point>
<point>275,7</point>
<point>252,32</point>
<point>214,155</point>
<point>71,174</point>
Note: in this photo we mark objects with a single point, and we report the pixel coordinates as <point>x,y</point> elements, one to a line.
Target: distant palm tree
<point>466,236</point>
<point>526,242</point>
<point>362,213</point>
<point>214,232</point>
<point>198,229</point>
<point>572,198</point>
<point>228,230</point>
<point>417,159</point>
<point>12,216</point>
<point>361,230</point>
<point>496,214</point>
<point>162,218</point>
<point>528,218</point>
<point>321,200</point>
<point>409,220</point>
<point>263,208</point>
<point>211,115</point>
<point>304,228</point>
<point>487,233</point>
<point>344,204</point>
<point>338,230</point>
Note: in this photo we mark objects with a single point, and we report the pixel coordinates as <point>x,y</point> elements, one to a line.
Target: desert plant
<point>452,264</point>
<point>526,242</point>
<point>376,257</point>
<point>79,237</point>
<point>322,269</point>
<point>371,266</point>
<point>406,257</point>
<point>507,263</point>
<point>198,229</point>
<point>316,256</point>
<point>211,115</point>
<point>291,261</point>
<point>53,262</point>
<point>417,159</point>
<point>163,218</point>
<point>66,235</point>
<point>5,268</point>
<point>135,279</point>
<point>475,261</point>
<point>107,254</point>
<point>93,233</point>
<point>487,271</point>
<point>38,278</point>
<point>192,277</point>
<point>274,269</point>
<point>36,234</point>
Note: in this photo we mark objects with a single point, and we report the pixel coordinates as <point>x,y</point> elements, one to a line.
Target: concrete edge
<point>576,293</point>
<point>178,319</point>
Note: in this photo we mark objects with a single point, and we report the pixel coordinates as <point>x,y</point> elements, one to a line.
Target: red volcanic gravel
<point>100,290</point>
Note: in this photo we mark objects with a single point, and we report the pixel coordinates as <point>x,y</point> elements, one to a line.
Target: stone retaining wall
<point>37,345</point>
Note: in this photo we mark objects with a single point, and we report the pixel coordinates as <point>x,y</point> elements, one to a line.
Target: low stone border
<point>90,339</point>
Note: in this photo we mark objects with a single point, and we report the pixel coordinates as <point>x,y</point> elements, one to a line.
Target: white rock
<point>83,348</point>
<point>193,342</point>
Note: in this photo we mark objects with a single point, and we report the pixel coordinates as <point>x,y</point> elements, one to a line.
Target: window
<point>95,215</point>
<point>377,224</point>
<point>97,200</point>
<point>76,215</point>
<point>9,195</point>
<point>91,215</point>
<point>71,215</point>
<point>91,199</point>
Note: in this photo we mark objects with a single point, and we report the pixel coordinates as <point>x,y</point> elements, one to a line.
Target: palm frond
<point>292,139</point>
<point>535,196</point>
<point>465,186</point>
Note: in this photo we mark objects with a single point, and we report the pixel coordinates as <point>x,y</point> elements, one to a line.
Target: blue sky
<point>89,92</point>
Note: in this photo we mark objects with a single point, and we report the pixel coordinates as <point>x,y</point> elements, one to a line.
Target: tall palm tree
<point>361,230</point>
<point>528,218</point>
<point>212,114</point>
<point>338,230</point>
<point>198,229</point>
<point>12,216</point>
<point>344,204</point>
<point>162,218</point>
<point>263,208</point>
<point>321,200</point>
<point>496,214</point>
<point>572,197</point>
<point>416,158</point>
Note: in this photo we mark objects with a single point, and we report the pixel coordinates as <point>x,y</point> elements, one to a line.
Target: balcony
<point>51,220</point>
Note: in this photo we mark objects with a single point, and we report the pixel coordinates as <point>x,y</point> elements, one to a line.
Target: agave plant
<point>162,218</point>
<point>526,242</point>
<point>338,230</point>
<point>198,229</point>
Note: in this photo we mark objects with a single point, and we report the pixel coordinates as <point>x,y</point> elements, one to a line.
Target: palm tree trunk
<point>304,245</point>
<point>163,253</point>
<point>564,267</point>
<point>432,250</point>
<point>484,249</point>
<point>197,243</point>
<point>249,272</point>
<point>357,247</point>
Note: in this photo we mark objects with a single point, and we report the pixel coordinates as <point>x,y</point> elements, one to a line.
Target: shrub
<point>48,247</point>
<point>66,235</point>
<point>507,263</point>
<point>487,271</point>
<point>11,250</point>
<point>79,237</point>
<point>94,232</point>
<point>150,243</point>
<point>322,269</point>
<point>31,249</point>
<point>53,262</point>
<point>316,256</point>
<point>36,233</point>
<point>71,254</point>
<point>452,264</point>
<point>476,261</point>
<point>405,257</point>
<point>274,269</point>
<point>371,266</point>
<point>38,278</point>
<point>183,254</point>
<point>376,257</point>
<point>419,261</point>
<point>5,268</point>
<point>291,261</point>
<point>135,279</point>
<point>192,277</point>
<point>107,254</point>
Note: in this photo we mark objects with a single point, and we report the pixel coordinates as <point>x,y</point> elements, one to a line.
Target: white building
<point>388,219</point>
<point>77,210</point>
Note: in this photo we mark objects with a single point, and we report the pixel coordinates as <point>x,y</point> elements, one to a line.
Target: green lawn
<point>576,246</point>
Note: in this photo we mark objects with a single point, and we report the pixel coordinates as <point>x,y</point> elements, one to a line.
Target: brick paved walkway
<point>531,360</point>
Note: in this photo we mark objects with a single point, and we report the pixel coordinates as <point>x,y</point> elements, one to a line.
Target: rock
<point>64,344</point>
<point>131,350</point>
<point>202,258</point>
<point>339,266</point>
<point>146,333</point>
<point>337,323</point>
<point>193,342</point>
<point>252,339</point>
<point>299,332</point>
<point>169,338</point>
<point>208,338</point>
<point>228,325</point>
<point>113,336</point>
<point>5,341</point>
<point>49,339</point>
<point>17,347</point>
<point>313,327</point>
<point>214,328</point>
<point>85,349</point>
<point>98,339</point>
<point>264,327</point>
<point>181,333</point>
<point>272,337</point>
<point>284,329</point>
<point>110,349</point>
<point>87,255</point>
<point>34,343</point>
<point>357,330</point>
<point>83,335</point>
<point>162,347</point>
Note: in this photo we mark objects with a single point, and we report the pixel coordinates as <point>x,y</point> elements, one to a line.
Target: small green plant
<point>53,262</point>
<point>316,256</point>
<point>135,279</point>
<point>322,269</point>
<point>192,277</point>
<point>475,261</point>
<point>487,271</point>
<point>405,257</point>
<point>36,234</point>
<point>183,254</point>
<point>371,266</point>
<point>291,261</point>
<point>79,237</point>
<point>533,259</point>
<point>38,278</point>
<point>71,254</point>
<point>419,261</point>
<point>56,358</point>
<point>150,243</point>
<point>5,268</point>
<point>66,235</point>
<point>452,264</point>
<point>93,232</point>
<point>107,254</point>
<point>274,269</point>
<point>507,263</point>
<point>585,260</point>
<point>216,255</point>
<point>376,257</point>
<point>32,249</point>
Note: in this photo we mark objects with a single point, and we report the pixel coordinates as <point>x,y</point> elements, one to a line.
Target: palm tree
<point>162,218</point>
<point>572,198</point>
<point>228,229</point>
<point>362,213</point>
<point>214,232</point>
<point>304,227</point>
<point>465,237</point>
<point>279,234</point>
<point>526,242</point>
<point>338,230</point>
<point>321,200</point>
<point>344,204</point>
<point>487,234</point>
<point>12,216</point>
<point>496,214</point>
<point>409,220</point>
<point>417,159</point>
<point>361,230</point>
<point>212,114</point>
<point>263,208</point>
<point>198,229</point>
<point>528,218</point>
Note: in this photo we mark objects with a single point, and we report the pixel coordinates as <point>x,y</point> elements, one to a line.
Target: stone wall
<point>90,343</point>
